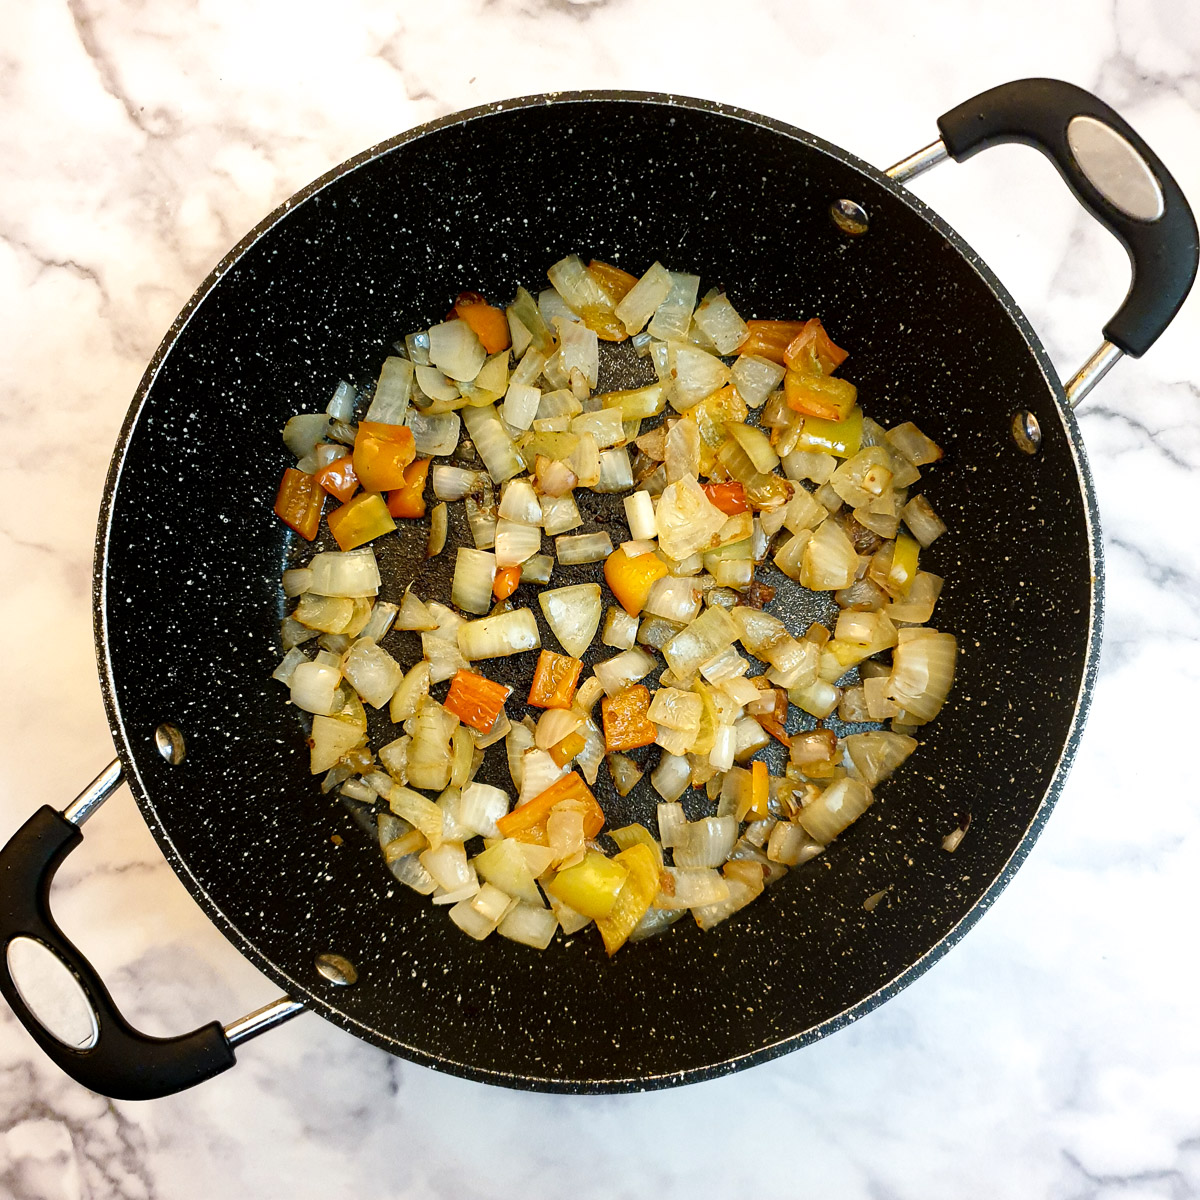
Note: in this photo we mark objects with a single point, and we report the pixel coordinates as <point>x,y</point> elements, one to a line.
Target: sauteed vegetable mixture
<point>748,450</point>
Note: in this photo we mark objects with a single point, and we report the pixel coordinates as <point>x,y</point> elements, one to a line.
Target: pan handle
<point>118,1061</point>
<point>1113,174</point>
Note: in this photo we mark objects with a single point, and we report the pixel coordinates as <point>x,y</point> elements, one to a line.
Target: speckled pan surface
<point>189,555</point>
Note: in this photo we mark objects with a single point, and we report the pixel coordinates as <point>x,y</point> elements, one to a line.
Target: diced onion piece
<point>674,598</point>
<point>560,514</point>
<point>495,637</point>
<point>493,444</point>
<point>623,670</point>
<point>672,777</point>
<point>819,698</point>
<point>756,444</point>
<point>695,374</point>
<point>756,378</point>
<point>620,629</point>
<point>434,434</point>
<point>830,561</point>
<point>521,405</point>
<point>538,772</point>
<point>383,616</point>
<point>583,548</point>
<point>673,317</point>
<point>392,392</point>
<point>519,502</point>
<point>573,613</point>
<point>352,573</point>
<point>616,472</point>
<point>455,350</point>
<point>372,672</point>
<point>481,807</point>
<point>705,843</point>
<point>291,660</point>
<point>686,520</point>
<point>606,426</point>
<point>439,521</point>
<point>515,543</point>
<point>922,672</point>
<point>790,844</point>
<point>877,753</point>
<point>579,349</point>
<point>297,581</point>
<point>555,724</point>
<point>435,385</point>
<point>330,739</point>
<point>625,773</point>
<point>639,512</point>
<point>410,693</point>
<point>530,925</point>
<point>474,575</point>
<point>835,809</point>
<point>923,523</point>
<point>537,569</point>
<point>710,633</point>
<point>453,483</point>
<point>717,319</point>
<point>641,301</point>
<point>414,614</point>
<point>917,607</point>
<point>341,406</point>
<point>448,866</point>
<point>314,687</point>
<point>909,441</point>
<point>303,431</point>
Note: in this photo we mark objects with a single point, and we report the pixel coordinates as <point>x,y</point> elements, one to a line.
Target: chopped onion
<point>448,866</point>
<point>303,431</point>
<point>383,616</point>
<point>923,523</point>
<point>352,573</point>
<point>671,822</point>
<point>917,607</point>
<point>496,637</point>
<point>538,772</point>
<point>314,687</point>
<point>343,403</point>
<point>686,520</point>
<point>639,512</point>
<point>555,724</point>
<point>835,809</point>
<point>672,777</point>
<point>495,447</point>
<point>756,378</point>
<point>695,374</point>
<point>481,807</point>
<point>623,670</point>
<point>414,614</point>
<point>392,392</point>
<point>625,773</point>
<point>673,317</point>
<point>922,672</point>
<point>909,441</point>
<point>583,548</point>
<point>474,575</point>
<point>616,472</point>
<point>705,843</point>
<point>297,581</point>
<point>830,561</point>
<point>435,434</point>
<point>791,845</point>
<point>530,925</point>
<point>717,319</point>
<point>560,514</point>
<point>573,613</point>
<point>579,349</point>
<point>372,672</point>
<point>453,483</point>
<point>515,543</point>
<point>674,598</point>
<point>710,633</point>
<point>439,520</point>
<point>519,502</point>
<point>620,629</point>
<point>606,426</point>
<point>455,350</point>
<point>435,385</point>
<point>291,660</point>
<point>584,460</point>
<point>537,569</point>
<point>521,405</point>
<point>481,519</point>
<point>410,693</point>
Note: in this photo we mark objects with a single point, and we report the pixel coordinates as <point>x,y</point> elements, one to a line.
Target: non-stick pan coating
<point>189,556</point>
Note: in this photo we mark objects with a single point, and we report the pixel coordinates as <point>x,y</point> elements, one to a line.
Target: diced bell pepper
<point>554,680</point>
<point>360,520</point>
<point>630,577</point>
<point>382,453</point>
<point>409,500</point>
<point>476,700</point>
<point>298,503</point>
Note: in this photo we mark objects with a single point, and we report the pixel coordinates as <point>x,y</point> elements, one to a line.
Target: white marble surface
<point>1055,1052</point>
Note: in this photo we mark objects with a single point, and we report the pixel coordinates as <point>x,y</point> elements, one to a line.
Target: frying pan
<point>187,599</point>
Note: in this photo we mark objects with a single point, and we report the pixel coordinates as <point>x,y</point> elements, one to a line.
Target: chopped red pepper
<point>489,324</point>
<point>730,498</point>
<point>409,500</point>
<point>506,581</point>
<point>382,452</point>
<point>476,700</point>
<point>626,725</point>
<point>338,478</point>
<point>527,822</point>
<point>299,502</point>
<point>554,680</point>
<point>770,339</point>
<point>812,352</point>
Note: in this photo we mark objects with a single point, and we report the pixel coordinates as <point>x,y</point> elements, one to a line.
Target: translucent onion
<point>496,637</point>
<point>877,753</point>
<point>519,502</point>
<point>372,672</point>
<point>352,573</point>
<point>435,434</point>
<point>710,633</point>
<point>521,405</point>
<point>453,483</point>
<point>537,569</point>
<point>673,317</point>
<point>639,513</point>
<point>493,444</point>
<point>616,472</point>
<point>756,444</point>
<point>455,350</point>
<point>917,607</point>
<point>435,385</point>
<point>392,392</point>
<point>620,629</point>
<point>623,670</point>
<point>923,523</point>
<point>474,575</point>
<point>303,431</point>
<point>341,406</point>
<point>625,773</point>
<point>481,807</point>
<point>606,426</point>
<point>672,777</point>
<point>530,925</point>
<point>835,809</point>
<point>297,581</point>
<point>756,378</point>
<point>538,772</point>
<point>695,374</point>
<point>675,599</point>
<point>717,319</point>
<point>640,302</point>
<point>682,451</point>
<point>439,521</point>
<point>314,687</point>
<point>560,514</point>
<point>291,660</point>
<point>909,441</point>
<point>705,843</point>
<point>830,561</point>
<point>583,548</point>
<point>686,520</point>
<point>573,613</point>
<point>515,544</point>
<point>922,673</point>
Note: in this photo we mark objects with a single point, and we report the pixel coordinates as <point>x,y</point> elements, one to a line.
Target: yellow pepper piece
<point>360,520</point>
<point>631,578</point>
<point>592,886</point>
<point>634,898</point>
<point>904,565</point>
<point>760,791</point>
<point>840,438</point>
<point>633,835</point>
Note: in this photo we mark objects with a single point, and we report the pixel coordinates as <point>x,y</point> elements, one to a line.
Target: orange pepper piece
<point>527,822</point>
<point>360,520</point>
<point>626,725</point>
<point>554,681</point>
<point>770,339</point>
<point>476,700</point>
<point>567,749</point>
<point>819,396</point>
<point>730,498</point>
<point>631,578</point>
<point>338,478</point>
<point>489,324</point>
<point>409,500</point>
<point>382,453</point>
<point>613,280</point>
<point>506,581</point>
<point>760,790</point>
<point>812,352</point>
<point>299,502</point>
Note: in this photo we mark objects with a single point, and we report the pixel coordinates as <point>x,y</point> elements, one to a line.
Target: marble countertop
<point>1054,1052</point>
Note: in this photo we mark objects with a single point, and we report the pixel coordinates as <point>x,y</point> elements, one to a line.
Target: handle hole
<point>52,993</point>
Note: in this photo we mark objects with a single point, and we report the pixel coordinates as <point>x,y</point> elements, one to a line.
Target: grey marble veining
<point>1054,1052</point>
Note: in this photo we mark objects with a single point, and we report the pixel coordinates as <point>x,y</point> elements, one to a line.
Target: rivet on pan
<point>168,739</point>
<point>338,970</point>
<point>849,216</point>
<point>1026,431</point>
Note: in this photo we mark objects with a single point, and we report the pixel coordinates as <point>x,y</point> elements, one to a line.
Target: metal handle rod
<point>261,1020</point>
<point>917,164</point>
<point>89,800</point>
<point>1092,372</point>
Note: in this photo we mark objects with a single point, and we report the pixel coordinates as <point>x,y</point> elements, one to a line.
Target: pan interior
<point>190,554</point>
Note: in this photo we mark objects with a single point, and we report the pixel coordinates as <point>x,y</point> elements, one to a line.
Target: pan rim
<point>322,1004</point>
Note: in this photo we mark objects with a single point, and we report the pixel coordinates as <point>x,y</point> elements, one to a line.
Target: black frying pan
<point>189,555</point>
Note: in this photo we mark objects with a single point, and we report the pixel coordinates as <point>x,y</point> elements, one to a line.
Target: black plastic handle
<point>1162,250</point>
<point>123,1064</point>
